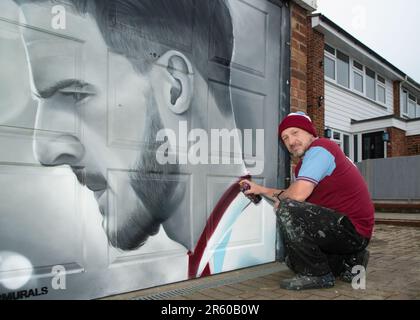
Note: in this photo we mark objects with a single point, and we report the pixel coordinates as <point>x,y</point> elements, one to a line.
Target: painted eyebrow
<point>60,85</point>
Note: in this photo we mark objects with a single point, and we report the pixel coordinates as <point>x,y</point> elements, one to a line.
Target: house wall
<point>298,59</point>
<point>413,145</point>
<point>341,106</point>
<point>315,93</point>
<point>397,147</point>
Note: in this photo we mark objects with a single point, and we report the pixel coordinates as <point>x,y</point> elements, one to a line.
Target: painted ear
<point>179,72</point>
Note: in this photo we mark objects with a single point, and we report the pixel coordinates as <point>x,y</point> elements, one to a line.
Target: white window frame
<point>348,65</point>
<point>362,73</point>
<point>418,108</point>
<point>359,72</point>
<point>404,99</point>
<point>408,105</point>
<point>381,85</point>
<point>374,83</point>
<point>340,141</point>
<point>333,58</point>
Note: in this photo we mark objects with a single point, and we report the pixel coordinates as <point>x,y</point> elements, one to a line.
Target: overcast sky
<point>390,28</point>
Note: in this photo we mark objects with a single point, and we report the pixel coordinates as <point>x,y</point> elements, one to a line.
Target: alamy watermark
<point>359,279</point>
<point>58,20</point>
<point>223,147</point>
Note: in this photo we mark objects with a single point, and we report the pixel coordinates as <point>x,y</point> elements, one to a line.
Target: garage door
<point>124,127</point>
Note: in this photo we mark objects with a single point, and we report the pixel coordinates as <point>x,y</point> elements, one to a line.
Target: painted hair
<point>133,28</point>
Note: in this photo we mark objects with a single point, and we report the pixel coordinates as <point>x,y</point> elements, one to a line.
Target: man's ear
<point>177,87</point>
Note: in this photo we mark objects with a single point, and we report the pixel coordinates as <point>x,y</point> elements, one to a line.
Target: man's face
<point>79,118</point>
<point>297,141</point>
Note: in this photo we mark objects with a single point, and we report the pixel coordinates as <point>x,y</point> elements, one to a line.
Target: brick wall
<point>397,146</point>
<point>315,87</point>
<point>396,99</point>
<point>298,59</point>
<point>413,145</point>
<point>298,64</point>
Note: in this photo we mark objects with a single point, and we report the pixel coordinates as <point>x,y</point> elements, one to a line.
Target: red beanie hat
<point>298,120</point>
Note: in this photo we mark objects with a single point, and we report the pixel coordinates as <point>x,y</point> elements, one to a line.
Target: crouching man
<point>326,216</point>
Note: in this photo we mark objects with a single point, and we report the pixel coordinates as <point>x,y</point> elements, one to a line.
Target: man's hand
<point>254,188</point>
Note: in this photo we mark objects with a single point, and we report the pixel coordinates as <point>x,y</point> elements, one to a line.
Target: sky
<point>390,28</point>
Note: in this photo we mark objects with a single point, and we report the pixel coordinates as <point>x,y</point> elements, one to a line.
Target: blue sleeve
<point>317,163</point>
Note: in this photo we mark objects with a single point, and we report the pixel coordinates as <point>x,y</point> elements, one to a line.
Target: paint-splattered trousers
<point>317,240</point>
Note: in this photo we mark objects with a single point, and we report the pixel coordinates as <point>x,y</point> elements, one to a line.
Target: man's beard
<point>297,154</point>
<point>154,184</point>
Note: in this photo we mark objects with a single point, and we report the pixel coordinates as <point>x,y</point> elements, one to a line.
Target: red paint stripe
<point>194,258</point>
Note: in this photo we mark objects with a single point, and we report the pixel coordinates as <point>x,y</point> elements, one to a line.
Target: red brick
<point>398,143</point>
<point>396,95</point>
<point>315,76</point>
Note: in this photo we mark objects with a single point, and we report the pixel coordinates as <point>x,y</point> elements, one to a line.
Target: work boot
<point>302,282</point>
<point>361,259</point>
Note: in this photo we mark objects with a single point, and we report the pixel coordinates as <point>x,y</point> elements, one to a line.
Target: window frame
<point>418,108</point>
<point>360,72</point>
<point>411,98</point>
<point>349,61</point>
<point>374,82</point>
<point>340,142</point>
<point>334,59</point>
<point>404,102</point>
<point>382,85</point>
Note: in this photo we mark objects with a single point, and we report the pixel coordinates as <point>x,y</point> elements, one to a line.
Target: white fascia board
<point>309,5</point>
<point>379,125</point>
<point>411,128</point>
<point>327,30</point>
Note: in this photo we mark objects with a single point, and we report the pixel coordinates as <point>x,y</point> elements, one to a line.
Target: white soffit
<point>309,5</point>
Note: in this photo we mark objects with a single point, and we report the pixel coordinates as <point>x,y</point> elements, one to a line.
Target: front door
<point>372,145</point>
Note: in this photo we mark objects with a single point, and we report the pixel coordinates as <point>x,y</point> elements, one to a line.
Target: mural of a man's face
<point>73,119</point>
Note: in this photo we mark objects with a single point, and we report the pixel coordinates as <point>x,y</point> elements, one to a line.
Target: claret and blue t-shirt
<point>339,184</point>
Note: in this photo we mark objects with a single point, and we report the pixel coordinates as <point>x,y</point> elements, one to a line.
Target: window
<point>418,109</point>
<point>404,102</point>
<point>381,94</point>
<point>370,84</point>
<point>380,87</point>
<point>411,106</point>
<point>329,49</point>
<point>357,65</point>
<point>329,61</point>
<point>343,69</point>
<point>357,76</point>
<point>358,81</point>
<point>329,67</point>
<point>346,144</point>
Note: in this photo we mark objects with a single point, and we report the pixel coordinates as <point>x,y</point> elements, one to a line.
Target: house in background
<point>354,96</point>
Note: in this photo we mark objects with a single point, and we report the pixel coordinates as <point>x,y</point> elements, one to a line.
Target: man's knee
<point>286,206</point>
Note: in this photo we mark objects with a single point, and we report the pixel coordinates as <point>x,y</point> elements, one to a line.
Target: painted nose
<point>57,150</point>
